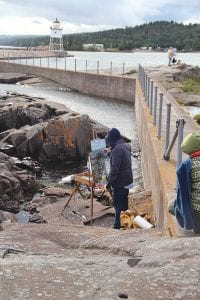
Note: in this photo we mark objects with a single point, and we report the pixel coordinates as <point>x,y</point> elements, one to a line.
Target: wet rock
<point>31,207</point>
<point>36,218</point>
<point>67,137</point>
<point>6,148</point>
<point>29,164</point>
<point>16,186</point>
<point>13,77</point>
<point>43,130</point>
<point>10,189</point>
<point>6,216</point>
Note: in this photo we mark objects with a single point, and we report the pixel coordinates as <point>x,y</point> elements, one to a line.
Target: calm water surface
<point>107,61</point>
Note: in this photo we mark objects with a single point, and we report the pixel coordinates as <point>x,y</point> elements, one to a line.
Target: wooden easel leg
<point>70,197</point>
<point>92,202</point>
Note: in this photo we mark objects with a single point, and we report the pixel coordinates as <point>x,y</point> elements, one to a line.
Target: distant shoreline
<point>52,53</point>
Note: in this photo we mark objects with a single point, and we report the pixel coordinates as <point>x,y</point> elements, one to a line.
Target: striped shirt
<point>195,172</point>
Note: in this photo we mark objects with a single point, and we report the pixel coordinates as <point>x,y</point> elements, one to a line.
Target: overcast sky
<point>36,16</point>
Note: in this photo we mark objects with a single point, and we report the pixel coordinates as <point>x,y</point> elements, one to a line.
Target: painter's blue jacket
<point>183,204</point>
<point>120,165</point>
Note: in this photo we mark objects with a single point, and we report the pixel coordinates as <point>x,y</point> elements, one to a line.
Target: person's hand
<point>108,186</point>
<point>106,151</point>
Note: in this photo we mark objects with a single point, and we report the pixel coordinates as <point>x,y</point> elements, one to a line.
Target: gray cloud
<point>107,13</point>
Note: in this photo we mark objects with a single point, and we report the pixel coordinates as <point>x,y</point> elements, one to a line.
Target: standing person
<point>186,207</point>
<point>120,178</point>
<point>170,54</point>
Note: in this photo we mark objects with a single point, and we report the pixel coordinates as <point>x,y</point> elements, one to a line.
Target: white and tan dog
<point>127,218</point>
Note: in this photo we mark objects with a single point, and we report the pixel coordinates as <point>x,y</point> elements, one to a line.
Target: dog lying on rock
<point>127,218</point>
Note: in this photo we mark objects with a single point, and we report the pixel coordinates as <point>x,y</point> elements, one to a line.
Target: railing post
<point>151,98</point>
<point>75,64</point>
<point>111,68</point>
<point>56,62</point>
<point>123,70</point>
<point>33,61</point>
<point>146,87</point>
<point>139,75</point>
<point>167,126</point>
<point>40,61</point>
<point>98,67</point>
<point>160,116</point>
<point>181,123</point>
<point>155,105</point>
<point>48,62</point>
<point>65,63</point>
<point>143,80</point>
<point>148,91</point>
<point>26,59</point>
<point>86,65</point>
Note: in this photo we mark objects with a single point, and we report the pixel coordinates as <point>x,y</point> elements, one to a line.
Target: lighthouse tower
<point>56,40</point>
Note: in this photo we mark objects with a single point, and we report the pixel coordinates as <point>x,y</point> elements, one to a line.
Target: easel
<point>88,179</point>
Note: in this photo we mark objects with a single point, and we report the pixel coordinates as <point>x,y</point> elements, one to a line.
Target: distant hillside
<point>160,34</point>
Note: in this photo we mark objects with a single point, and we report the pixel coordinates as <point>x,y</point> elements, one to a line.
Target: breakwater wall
<point>159,174</point>
<point>116,87</point>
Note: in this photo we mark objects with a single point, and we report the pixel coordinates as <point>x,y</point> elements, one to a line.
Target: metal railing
<point>70,64</point>
<point>161,110</point>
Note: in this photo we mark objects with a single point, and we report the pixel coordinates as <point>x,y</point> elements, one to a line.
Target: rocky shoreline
<point>36,133</point>
<point>170,78</point>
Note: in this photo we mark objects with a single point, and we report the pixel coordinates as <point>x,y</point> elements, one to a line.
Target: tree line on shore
<point>156,35</point>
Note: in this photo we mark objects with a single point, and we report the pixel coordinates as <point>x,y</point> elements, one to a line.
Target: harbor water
<point>110,62</point>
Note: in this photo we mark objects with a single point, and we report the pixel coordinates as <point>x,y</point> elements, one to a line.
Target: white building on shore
<point>94,47</point>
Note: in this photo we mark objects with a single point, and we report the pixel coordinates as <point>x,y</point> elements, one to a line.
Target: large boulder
<point>45,131</point>
<point>16,185</point>
<point>67,137</point>
<point>19,110</point>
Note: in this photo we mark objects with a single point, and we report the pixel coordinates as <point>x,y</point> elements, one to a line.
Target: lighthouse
<point>56,40</point>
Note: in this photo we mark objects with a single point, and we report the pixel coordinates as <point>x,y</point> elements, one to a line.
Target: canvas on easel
<point>97,162</point>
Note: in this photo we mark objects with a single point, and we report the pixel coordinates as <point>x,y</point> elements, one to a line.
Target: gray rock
<point>16,186</point>
<point>43,130</point>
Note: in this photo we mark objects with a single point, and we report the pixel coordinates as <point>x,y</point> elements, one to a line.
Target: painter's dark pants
<point>120,202</point>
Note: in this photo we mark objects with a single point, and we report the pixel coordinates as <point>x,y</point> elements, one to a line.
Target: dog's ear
<point>134,213</point>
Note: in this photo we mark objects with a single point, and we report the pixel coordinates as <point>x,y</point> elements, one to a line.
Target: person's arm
<point>115,165</point>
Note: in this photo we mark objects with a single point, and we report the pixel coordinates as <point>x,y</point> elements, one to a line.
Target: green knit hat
<point>191,143</point>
